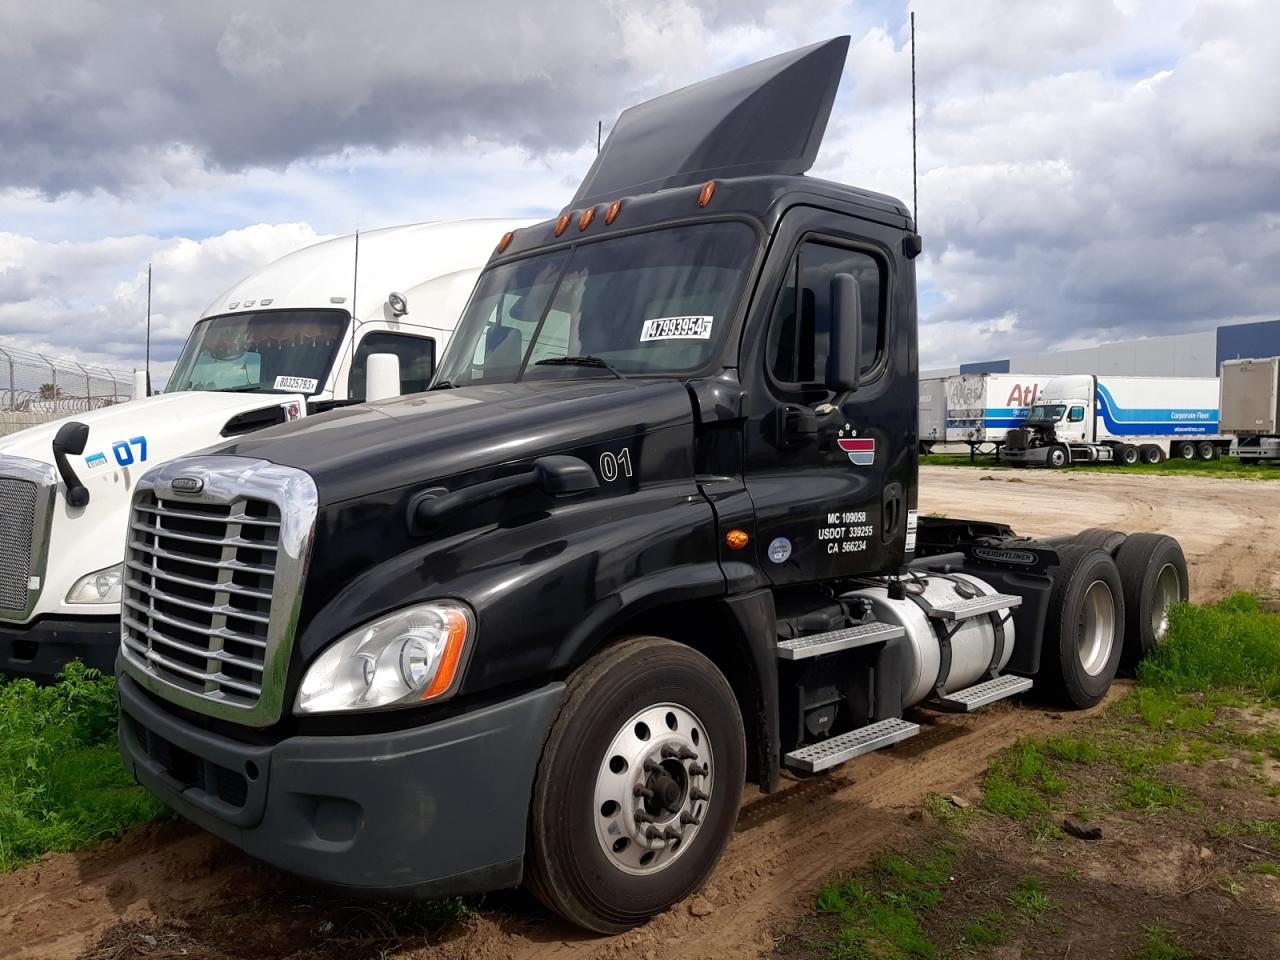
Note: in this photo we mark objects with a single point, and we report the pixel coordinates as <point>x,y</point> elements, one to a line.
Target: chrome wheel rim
<point>1168,591</point>
<point>652,789</point>
<point>1096,633</point>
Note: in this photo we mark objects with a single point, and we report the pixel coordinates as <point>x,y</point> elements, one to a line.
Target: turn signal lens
<point>563,223</point>
<point>704,195</point>
<point>506,240</point>
<point>612,213</point>
<point>736,539</point>
<point>588,215</point>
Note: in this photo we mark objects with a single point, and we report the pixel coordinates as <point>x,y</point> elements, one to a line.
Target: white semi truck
<point>1123,420</point>
<point>1250,404</point>
<point>291,340</point>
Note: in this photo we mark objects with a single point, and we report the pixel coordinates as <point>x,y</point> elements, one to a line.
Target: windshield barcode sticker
<point>300,384</point>
<point>676,328</point>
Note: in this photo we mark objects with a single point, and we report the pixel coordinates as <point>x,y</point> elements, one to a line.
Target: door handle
<point>891,514</point>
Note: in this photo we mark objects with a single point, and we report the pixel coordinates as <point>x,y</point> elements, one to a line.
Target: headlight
<point>100,587</point>
<point>404,658</point>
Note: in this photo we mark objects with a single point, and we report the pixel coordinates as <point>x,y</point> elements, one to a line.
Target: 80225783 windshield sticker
<point>677,328</point>
<point>300,384</point>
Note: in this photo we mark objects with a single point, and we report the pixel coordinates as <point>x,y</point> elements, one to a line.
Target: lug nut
<point>669,752</point>
<point>652,766</point>
<point>640,790</point>
<point>653,833</point>
<point>687,754</point>
<point>698,770</point>
<point>643,816</point>
<point>688,819</point>
<point>696,794</point>
<point>671,833</point>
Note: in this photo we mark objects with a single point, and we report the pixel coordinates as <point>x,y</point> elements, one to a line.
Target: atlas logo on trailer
<point>861,450</point>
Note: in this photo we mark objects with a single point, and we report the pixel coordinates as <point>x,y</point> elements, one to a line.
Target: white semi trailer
<point>981,408</point>
<point>1250,404</point>
<point>291,340</point>
<point>1124,420</point>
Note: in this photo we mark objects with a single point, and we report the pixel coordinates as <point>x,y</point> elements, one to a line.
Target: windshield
<point>1046,413</point>
<point>652,303</point>
<point>282,351</point>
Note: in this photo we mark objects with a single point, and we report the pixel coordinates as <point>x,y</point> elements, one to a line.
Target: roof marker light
<point>563,223</point>
<point>506,240</point>
<point>588,215</point>
<point>704,195</point>
<point>612,213</point>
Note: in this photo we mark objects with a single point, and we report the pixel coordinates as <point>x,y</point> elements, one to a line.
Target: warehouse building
<point>1182,355</point>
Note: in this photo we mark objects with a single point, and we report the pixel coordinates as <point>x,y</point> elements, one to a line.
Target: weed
<point>1267,869</point>
<point>1145,793</point>
<point>62,785</point>
<point>1019,780</point>
<point>1232,644</point>
<point>986,931</point>
<point>1158,946</point>
<point>1030,898</point>
<point>946,812</point>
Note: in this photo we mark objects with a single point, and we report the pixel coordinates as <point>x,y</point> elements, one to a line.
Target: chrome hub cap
<point>1096,632</point>
<point>652,788</point>
<point>1168,591</point>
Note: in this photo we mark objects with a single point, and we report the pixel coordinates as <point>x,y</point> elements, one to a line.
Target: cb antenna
<point>915,195</point>
<point>599,134</point>
<point>148,360</point>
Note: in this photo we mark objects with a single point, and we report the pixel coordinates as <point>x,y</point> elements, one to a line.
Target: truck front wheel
<point>1058,457</point>
<point>637,791</point>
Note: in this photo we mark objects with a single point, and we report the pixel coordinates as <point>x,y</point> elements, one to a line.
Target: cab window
<point>1076,415</point>
<point>800,332</point>
<point>417,361</point>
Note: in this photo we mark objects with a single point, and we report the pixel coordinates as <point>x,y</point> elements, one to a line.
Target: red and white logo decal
<point>861,450</point>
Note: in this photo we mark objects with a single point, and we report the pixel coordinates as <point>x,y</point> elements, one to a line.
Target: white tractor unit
<point>316,329</point>
<point>1121,420</point>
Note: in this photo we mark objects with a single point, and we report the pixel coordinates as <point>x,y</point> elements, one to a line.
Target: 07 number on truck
<point>652,534</point>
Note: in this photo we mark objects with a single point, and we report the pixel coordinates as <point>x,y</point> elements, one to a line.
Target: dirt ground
<point>170,891</point>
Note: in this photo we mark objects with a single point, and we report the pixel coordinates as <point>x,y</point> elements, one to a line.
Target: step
<point>818,644</point>
<point>981,694</point>
<point>828,753</point>
<point>962,608</point>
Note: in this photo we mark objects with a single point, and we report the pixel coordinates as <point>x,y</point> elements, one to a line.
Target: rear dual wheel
<point>1153,571</point>
<point>1084,632</point>
<point>637,791</point>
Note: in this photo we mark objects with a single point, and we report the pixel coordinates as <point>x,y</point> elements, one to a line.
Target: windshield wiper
<point>584,361</point>
<point>443,385</point>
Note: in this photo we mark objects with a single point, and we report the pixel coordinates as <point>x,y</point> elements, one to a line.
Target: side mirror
<point>562,476</point>
<point>844,359</point>
<point>382,376</point>
<point>140,388</point>
<point>71,439</point>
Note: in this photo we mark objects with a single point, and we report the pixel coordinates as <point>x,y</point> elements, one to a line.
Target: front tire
<point>646,715</point>
<point>1058,457</point>
<point>1084,631</point>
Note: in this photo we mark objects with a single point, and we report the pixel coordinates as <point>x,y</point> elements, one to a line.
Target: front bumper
<point>41,649</point>
<point>1036,455</point>
<point>429,811</point>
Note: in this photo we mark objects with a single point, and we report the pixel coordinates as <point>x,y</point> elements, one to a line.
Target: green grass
<point>1157,946</point>
<point>1030,898</point>
<point>987,931</point>
<point>1232,645</point>
<point>1223,467</point>
<point>62,785</point>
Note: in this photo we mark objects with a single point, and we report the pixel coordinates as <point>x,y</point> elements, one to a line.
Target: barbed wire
<point>35,387</point>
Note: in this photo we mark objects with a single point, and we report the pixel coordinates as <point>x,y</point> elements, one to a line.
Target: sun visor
<point>764,118</point>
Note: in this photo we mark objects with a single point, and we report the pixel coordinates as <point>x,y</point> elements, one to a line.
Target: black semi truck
<point>651,534</point>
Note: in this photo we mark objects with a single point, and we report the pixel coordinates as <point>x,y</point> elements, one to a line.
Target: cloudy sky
<point>1090,170</point>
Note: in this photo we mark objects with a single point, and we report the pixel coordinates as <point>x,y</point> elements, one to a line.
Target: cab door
<point>831,471</point>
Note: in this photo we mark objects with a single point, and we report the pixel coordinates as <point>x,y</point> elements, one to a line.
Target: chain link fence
<point>35,388</point>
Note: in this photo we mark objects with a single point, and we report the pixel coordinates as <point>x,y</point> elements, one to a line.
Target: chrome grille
<point>17,539</point>
<point>213,581</point>
<point>197,598</point>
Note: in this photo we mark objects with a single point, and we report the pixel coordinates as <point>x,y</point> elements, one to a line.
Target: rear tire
<point>1084,630</point>
<point>1102,538</point>
<point>1153,573</point>
<point>1207,451</point>
<point>1185,450</point>
<point>588,856</point>
<point>1150,453</point>
<point>1127,454</point>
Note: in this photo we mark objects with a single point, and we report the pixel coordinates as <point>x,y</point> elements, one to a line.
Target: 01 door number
<point>613,465</point>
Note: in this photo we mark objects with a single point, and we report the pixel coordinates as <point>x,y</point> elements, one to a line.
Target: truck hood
<point>172,424</point>
<point>364,449</point>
